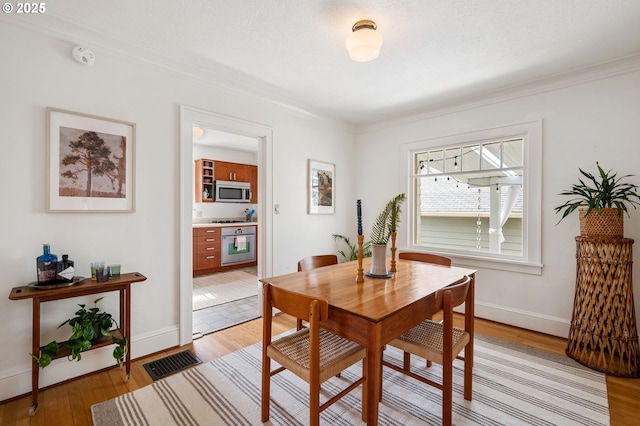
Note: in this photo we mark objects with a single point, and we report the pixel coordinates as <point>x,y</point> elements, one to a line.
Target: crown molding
<point>579,76</point>
<point>210,73</point>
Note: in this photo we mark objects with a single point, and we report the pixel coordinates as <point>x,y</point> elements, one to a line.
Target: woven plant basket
<point>606,224</point>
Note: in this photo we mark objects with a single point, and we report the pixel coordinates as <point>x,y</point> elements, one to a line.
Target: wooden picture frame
<point>321,187</point>
<point>91,163</point>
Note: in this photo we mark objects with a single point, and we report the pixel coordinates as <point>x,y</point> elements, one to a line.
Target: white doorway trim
<point>188,117</point>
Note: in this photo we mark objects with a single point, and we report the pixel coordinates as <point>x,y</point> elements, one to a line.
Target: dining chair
<point>441,343</point>
<point>313,262</point>
<point>317,261</point>
<point>435,259</point>
<point>313,354</point>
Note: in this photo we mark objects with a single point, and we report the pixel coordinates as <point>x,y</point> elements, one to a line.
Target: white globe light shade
<point>364,44</point>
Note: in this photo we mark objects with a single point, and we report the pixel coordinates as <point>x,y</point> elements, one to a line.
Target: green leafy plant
<point>352,254</point>
<point>604,190</point>
<point>88,326</point>
<point>387,221</point>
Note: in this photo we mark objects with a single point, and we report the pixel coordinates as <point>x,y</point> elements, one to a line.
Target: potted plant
<point>88,325</point>
<point>601,199</point>
<point>352,254</point>
<point>384,226</point>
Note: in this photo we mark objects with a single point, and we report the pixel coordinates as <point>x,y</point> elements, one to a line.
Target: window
<point>476,196</point>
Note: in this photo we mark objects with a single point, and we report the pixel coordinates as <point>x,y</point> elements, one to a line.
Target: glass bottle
<point>65,270</point>
<point>46,265</point>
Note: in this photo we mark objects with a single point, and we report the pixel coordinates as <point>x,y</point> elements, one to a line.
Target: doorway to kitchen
<point>224,299</point>
<point>190,117</point>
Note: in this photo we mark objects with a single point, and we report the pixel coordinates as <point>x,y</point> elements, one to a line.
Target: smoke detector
<point>83,55</point>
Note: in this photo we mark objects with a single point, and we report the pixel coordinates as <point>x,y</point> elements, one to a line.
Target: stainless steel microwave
<point>232,192</point>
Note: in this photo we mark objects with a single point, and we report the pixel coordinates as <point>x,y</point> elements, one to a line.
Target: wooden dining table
<point>374,312</point>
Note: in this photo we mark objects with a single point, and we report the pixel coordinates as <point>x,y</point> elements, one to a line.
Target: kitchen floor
<point>226,315</point>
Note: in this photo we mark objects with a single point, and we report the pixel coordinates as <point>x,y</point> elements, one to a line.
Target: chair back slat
<point>436,259</point>
<point>294,304</point>
<point>457,292</point>
<point>317,261</point>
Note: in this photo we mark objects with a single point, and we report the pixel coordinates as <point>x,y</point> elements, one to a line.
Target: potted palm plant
<point>352,253</point>
<point>384,226</point>
<point>600,199</point>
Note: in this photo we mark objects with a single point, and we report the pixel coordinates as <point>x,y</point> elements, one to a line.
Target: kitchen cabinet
<point>204,180</point>
<point>206,250</point>
<point>224,170</point>
<point>252,178</point>
<point>208,171</point>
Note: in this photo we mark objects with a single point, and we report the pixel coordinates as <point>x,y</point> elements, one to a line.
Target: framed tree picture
<point>90,164</point>
<point>322,181</point>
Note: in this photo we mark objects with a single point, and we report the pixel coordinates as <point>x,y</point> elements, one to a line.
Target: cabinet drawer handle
<point>210,239</point>
<point>211,230</point>
<point>210,248</point>
<point>211,257</point>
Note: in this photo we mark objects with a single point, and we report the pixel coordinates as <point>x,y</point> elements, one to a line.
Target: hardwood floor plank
<point>70,402</point>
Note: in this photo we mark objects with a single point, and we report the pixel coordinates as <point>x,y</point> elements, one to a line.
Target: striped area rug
<point>513,385</point>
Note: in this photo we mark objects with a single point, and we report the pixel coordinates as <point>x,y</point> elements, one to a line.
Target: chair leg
<point>266,390</point>
<point>447,394</point>
<point>365,391</point>
<point>314,405</point>
<point>468,376</point>
<point>406,364</point>
<point>381,372</point>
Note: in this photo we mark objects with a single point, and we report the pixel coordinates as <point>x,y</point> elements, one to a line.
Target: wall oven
<point>238,244</point>
<point>232,192</point>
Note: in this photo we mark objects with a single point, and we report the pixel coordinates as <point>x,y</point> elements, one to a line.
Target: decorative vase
<point>379,262</point>
<point>605,224</point>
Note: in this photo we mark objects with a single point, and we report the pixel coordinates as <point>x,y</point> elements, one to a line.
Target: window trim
<point>531,132</point>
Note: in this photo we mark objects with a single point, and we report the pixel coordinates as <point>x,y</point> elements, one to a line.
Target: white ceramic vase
<point>378,260</point>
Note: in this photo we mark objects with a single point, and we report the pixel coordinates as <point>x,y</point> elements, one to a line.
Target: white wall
<point>121,87</point>
<point>585,119</point>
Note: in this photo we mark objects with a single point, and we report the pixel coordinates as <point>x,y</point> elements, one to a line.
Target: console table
<point>81,288</point>
<point>603,333</point>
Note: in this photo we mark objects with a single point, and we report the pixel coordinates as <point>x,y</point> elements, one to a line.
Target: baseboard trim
<point>18,382</point>
<point>547,324</point>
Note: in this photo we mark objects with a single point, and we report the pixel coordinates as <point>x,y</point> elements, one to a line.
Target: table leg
<point>127,327</point>
<point>35,349</point>
<point>469,326</point>
<point>374,375</point>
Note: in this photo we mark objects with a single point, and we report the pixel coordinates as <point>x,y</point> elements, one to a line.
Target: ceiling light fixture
<point>364,43</point>
<point>197,132</point>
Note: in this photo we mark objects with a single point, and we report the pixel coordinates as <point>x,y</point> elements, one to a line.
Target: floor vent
<point>166,366</point>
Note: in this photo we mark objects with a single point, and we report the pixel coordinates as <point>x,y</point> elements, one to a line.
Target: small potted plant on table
<point>384,227</point>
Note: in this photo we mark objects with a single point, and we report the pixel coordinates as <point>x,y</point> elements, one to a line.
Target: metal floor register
<point>171,364</point>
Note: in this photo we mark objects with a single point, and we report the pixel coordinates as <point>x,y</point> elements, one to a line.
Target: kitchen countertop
<point>220,225</point>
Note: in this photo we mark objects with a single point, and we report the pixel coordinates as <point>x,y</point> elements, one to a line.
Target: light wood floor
<point>69,403</point>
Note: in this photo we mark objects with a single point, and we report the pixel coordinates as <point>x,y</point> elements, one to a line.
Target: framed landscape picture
<point>322,181</point>
<point>90,164</point>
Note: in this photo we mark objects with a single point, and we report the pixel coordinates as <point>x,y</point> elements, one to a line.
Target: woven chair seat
<point>336,353</point>
<point>425,340</point>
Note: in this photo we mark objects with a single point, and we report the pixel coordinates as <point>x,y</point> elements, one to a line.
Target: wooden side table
<point>82,288</point>
<point>603,333</point>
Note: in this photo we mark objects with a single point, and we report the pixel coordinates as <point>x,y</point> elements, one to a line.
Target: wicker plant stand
<point>603,333</point>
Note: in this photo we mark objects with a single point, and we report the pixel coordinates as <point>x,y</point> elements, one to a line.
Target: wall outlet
<point>276,209</point>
